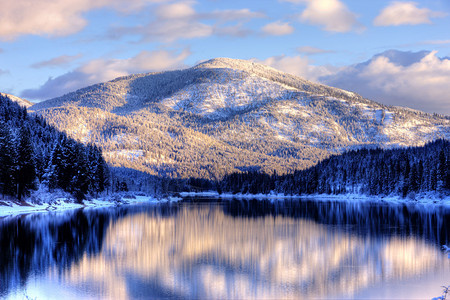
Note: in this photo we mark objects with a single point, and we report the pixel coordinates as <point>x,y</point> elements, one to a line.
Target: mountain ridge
<point>224,115</point>
<point>218,67</point>
<point>22,102</point>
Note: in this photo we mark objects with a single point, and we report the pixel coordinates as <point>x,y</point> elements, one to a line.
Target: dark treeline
<point>34,153</point>
<point>403,171</point>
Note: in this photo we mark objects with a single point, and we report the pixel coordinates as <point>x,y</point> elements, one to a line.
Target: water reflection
<point>429,222</point>
<point>35,242</point>
<point>238,249</point>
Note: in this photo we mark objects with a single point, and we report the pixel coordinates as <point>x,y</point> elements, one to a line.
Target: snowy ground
<point>45,202</point>
<point>423,199</point>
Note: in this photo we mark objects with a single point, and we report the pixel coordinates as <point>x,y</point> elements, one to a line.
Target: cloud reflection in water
<point>202,252</point>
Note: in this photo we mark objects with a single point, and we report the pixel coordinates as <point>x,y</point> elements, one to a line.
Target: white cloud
<point>294,1</point>
<point>333,15</point>
<point>235,30</point>
<point>101,70</point>
<point>278,28</point>
<point>405,13</point>
<point>127,6</point>
<point>180,10</point>
<point>421,83</point>
<point>308,50</point>
<point>146,61</point>
<point>54,17</point>
<point>436,42</point>
<point>229,15</point>
<point>174,29</point>
<point>297,65</point>
<point>175,21</point>
<point>62,60</point>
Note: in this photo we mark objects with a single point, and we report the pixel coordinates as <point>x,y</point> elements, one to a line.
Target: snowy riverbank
<point>10,208</point>
<point>45,202</point>
<point>40,202</point>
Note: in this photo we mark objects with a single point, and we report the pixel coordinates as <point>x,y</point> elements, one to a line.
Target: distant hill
<point>406,172</point>
<point>227,115</point>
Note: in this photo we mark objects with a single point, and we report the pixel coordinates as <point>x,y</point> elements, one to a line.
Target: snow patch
<point>54,202</point>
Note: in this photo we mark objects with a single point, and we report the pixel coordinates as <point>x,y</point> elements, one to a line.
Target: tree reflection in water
<point>232,249</point>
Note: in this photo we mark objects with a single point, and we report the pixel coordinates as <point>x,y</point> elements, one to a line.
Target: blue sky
<point>51,47</point>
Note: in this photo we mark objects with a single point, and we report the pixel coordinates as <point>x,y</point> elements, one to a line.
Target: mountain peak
<point>228,114</point>
<point>215,89</point>
<point>223,62</point>
<point>236,64</point>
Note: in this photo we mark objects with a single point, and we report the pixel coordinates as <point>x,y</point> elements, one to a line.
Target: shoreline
<point>10,208</point>
<point>429,199</point>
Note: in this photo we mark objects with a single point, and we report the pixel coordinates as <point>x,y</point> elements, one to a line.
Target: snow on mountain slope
<point>225,115</point>
<point>223,78</point>
<point>20,101</point>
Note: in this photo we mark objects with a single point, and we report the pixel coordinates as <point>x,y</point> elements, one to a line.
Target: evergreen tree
<point>33,152</point>
<point>413,179</point>
<point>80,173</point>
<point>8,162</point>
<point>54,167</point>
<point>442,170</point>
<point>102,175</point>
<point>26,172</point>
<point>376,172</point>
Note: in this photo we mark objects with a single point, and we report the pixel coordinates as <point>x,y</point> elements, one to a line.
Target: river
<point>234,249</point>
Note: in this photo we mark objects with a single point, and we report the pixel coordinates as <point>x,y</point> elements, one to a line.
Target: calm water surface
<point>231,249</point>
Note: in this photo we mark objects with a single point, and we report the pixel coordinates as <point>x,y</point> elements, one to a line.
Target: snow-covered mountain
<point>20,101</point>
<point>225,115</point>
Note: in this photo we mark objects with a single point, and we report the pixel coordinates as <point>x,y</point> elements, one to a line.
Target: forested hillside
<point>33,153</point>
<point>228,115</point>
<point>404,172</point>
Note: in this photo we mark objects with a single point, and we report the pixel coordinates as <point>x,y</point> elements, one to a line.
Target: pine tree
<point>53,170</point>
<point>66,169</point>
<point>413,179</point>
<point>102,175</point>
<point>26,172</point>
<point>8,162</point>
<point>442,170</point>
<point>32,151</point>
<point>446,174</point>
<point>80,173</point>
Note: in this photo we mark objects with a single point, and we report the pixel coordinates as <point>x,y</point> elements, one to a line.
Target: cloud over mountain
<point>418,80</point>
<point>106,69</point>
<point>297,65</point>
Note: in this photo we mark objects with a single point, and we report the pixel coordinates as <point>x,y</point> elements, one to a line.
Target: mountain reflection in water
<point>233,249</point>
